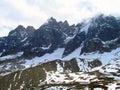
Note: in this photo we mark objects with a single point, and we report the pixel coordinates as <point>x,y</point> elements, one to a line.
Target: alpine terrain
<point>59,56</point>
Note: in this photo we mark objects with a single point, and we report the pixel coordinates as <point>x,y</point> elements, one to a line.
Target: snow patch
<point>68,39</point>
<point>86,26</point>
<point>57,54</point>
<point>58,88</point>
<point>13,56</point>
<point>22,86</point>
<point>83,65</point>
<point>20,74</point>
<point>15,76</point>
<point>59,67</point>
<point>54,77</point>
<point>105,57</point>
<point>112,86</point>
<point>67,78</point>
<point>74,54</point>
<point>24,39</point>
<point>10,87</point>
<point>45,48</point>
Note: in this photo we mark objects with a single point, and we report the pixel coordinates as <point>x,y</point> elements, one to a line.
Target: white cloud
<point>36,12</point>
<point>107,6</point>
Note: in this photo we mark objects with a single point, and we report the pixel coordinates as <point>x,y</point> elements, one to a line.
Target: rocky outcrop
<point>92,45</point>
<point>74,43</point>
<point>104,27</point>
<point>16,39</point>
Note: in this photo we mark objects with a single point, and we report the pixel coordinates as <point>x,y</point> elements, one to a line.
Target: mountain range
<point>59,56</point>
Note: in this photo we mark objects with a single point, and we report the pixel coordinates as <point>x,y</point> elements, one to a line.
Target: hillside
<point>63,74</point>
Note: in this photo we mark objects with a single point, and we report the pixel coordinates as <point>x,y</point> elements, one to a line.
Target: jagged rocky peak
<point>30,30</point>
<point>50,25</point>
<point>68,30</point>
<point>51,20</point>
<point>63,27</point>
<point>65,23</point>
<point>19,28</point>
<point>20,32</point>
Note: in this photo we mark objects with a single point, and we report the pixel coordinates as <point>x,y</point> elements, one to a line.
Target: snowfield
<point>105,58</point>
<point>13,56</point>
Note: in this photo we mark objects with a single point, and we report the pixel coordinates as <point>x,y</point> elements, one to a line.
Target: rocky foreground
<point>57,75</point>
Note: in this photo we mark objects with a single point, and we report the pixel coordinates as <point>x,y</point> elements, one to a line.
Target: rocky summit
<point>59,56</point>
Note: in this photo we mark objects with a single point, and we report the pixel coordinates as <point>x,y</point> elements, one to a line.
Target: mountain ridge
<point>105,28</point>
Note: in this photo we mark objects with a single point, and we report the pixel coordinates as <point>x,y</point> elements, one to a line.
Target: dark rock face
<point>91,45</point>
<point>18,32</point>
<point>105,28</point>
<point>67,29</point>
<point>16,38</point>
<point>48,34</point>
<point>3,44</point>
<point>74,43</point>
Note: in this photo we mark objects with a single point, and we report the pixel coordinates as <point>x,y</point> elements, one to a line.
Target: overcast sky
<point>36,12</point>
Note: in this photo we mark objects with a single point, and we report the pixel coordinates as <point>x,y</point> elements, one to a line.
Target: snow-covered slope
<point>82,60</point>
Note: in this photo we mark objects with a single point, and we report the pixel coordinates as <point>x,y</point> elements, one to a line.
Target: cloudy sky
<point>36,12</point>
